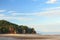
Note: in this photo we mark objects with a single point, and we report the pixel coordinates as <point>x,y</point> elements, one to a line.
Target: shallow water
<point>10,38</point>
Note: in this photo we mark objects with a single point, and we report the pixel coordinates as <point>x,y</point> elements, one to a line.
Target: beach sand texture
<point>28,37</point>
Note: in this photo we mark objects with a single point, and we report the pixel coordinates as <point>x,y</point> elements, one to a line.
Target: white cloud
<point>25,19</point>
<point>1,15</point>
<point>53,8</point>
<point>2,10</point>
<point>11,11</point>
<point>15,18</point>
<point>6,17</point>
<point>23,14</point>
<point>49,12</point>
<point>51,1</point>
<point>50,28</point>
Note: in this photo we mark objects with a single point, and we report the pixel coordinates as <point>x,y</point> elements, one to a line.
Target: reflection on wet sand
<point>28,37</point>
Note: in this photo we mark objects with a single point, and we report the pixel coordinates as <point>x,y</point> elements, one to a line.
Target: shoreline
<point>28,36</point>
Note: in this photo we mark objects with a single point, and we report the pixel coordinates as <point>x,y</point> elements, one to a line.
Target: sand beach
<point>28,37</point>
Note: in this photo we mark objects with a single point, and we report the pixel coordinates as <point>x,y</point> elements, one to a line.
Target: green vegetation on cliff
<point>11,28</point>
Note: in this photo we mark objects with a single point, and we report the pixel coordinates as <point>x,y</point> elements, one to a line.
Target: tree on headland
<point>8,27</point>
<point>4,30</point>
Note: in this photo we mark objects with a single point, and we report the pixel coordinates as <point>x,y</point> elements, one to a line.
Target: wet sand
<point>28,37</point>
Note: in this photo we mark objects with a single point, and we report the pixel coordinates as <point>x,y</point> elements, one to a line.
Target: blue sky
<point>43,15</point>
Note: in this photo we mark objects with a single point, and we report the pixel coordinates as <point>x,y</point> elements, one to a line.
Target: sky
<point>42,15</point>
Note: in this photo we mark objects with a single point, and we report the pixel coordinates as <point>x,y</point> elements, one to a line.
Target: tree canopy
<point>11,28</point>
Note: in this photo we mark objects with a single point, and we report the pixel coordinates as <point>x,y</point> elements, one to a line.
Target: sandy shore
<point>28,37</point>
